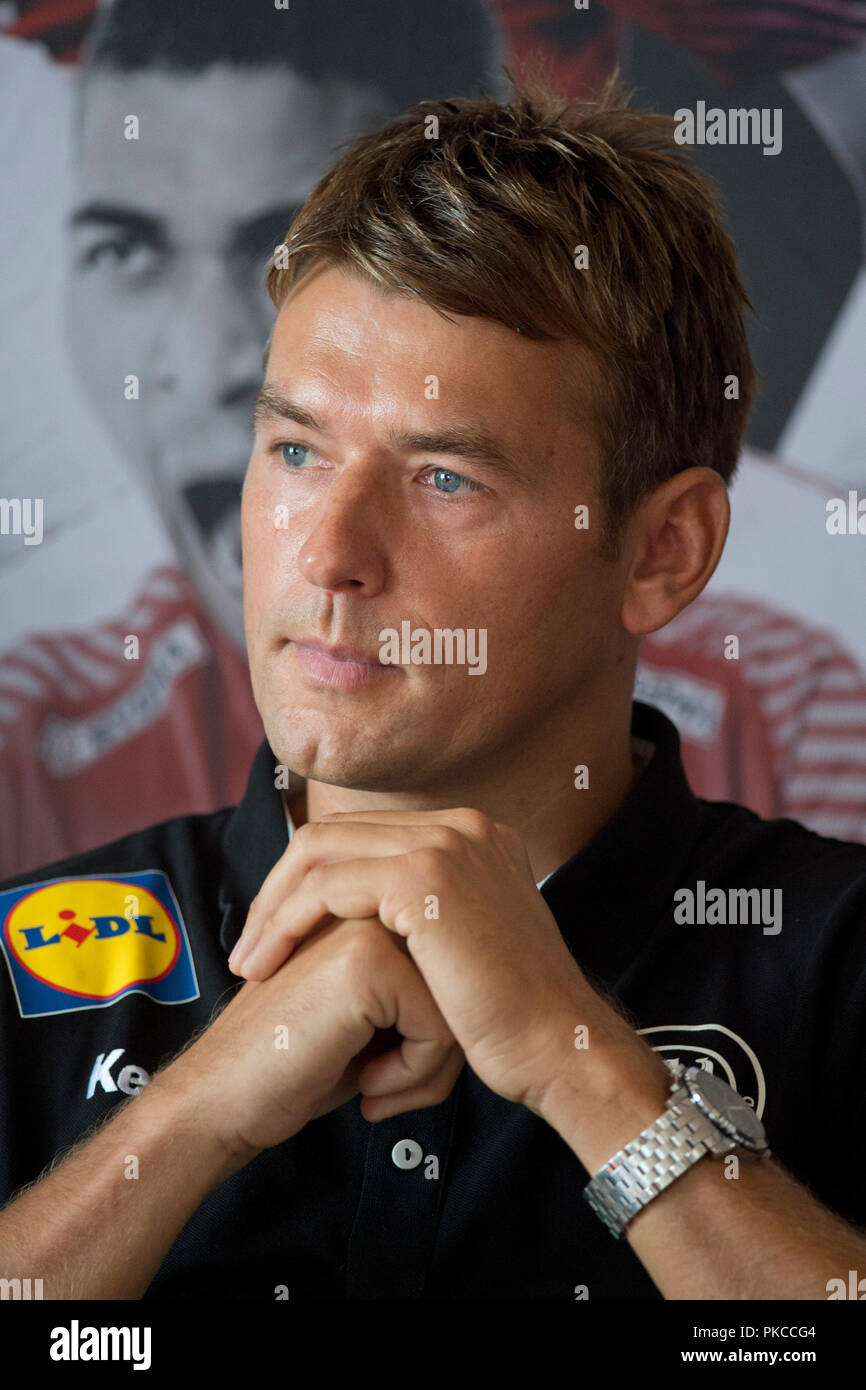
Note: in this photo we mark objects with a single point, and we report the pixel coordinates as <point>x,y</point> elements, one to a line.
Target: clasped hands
<point>459,891</point>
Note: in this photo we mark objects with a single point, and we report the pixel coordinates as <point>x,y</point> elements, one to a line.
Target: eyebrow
<point>466,441</point>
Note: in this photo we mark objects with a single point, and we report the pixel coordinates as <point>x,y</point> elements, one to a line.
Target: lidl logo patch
<point>84,943</point>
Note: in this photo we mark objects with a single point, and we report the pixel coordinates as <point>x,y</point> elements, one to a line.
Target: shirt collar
<point>611,894</point>
<point>605,897</point>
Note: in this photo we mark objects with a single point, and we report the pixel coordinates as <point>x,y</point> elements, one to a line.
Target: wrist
<point>186,1120</point>
<point>606,1098</point>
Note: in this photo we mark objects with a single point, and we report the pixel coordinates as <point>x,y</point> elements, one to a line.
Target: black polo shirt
<point>115,957</point>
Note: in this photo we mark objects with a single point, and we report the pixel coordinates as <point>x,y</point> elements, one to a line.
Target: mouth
<point>339,668</point>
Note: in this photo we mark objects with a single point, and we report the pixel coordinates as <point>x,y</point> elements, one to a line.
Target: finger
<point>432,1092</point>
<point>466,819</point>
<point>401,999</point>
<point>404,1067</point>
<point>321,842</point>
<point>357,884</point>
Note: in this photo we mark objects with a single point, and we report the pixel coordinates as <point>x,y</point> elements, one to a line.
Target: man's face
<point>168,242</point>
<point>351,526</point>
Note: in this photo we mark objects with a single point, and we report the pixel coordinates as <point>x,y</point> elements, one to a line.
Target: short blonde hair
<point>484,219</point>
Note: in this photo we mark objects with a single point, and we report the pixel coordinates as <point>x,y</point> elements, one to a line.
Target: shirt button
<point>406,1153</point>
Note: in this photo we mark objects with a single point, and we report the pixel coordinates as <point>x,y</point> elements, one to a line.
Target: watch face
<point>727,1109</point>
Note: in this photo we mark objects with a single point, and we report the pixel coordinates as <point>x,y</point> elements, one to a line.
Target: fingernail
<point>237,955</point>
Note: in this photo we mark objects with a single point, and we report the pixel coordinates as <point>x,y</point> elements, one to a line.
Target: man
<point>490,454</point>
<point>198,132</point>
<point>110,728</point>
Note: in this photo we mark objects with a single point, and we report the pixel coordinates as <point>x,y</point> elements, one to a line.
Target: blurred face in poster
<point>168,238</point>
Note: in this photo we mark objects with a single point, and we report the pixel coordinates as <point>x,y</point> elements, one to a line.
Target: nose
<point>346,549</point>
<point>208,354</point>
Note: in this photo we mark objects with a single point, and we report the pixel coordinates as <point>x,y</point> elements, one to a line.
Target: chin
<point>326,750</point>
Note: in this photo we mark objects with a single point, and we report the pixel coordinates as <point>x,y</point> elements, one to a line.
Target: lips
<point>338,653</point>
<point>341,668</point>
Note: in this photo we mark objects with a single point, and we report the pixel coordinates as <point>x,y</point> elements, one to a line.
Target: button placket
<point>396,1221</point>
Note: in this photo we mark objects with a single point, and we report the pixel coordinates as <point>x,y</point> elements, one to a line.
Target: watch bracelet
<point>643,1168</point>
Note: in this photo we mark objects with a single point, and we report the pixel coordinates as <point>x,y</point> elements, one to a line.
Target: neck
<point>533,791</point>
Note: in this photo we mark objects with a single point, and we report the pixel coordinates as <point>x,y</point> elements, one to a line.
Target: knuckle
<point>428,863</point>
<point>305,834</point>
<point>315,876</point>
<point>359,941</point>
<point>268,927</point>
<point>475,823</point>
<point>441,1041</point>
<point>448,839</point>
<point>433,1092</point>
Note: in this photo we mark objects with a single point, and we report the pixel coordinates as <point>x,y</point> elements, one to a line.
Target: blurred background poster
<point>153,153</point>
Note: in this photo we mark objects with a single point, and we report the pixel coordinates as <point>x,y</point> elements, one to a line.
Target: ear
<point>676,538</point>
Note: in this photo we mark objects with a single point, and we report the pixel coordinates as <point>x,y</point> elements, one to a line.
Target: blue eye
<point>451,481</point>
<point>293,460</point>
<point>445,480</point>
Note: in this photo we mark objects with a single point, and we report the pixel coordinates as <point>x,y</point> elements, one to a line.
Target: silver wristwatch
<point>703,1114</point>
